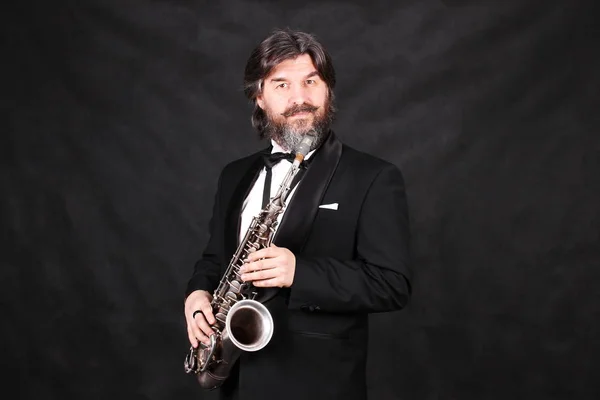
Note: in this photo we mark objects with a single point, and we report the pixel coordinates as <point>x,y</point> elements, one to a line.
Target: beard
<point>289,134</point>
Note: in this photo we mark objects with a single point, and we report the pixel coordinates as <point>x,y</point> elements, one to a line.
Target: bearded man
<point>341,248</point>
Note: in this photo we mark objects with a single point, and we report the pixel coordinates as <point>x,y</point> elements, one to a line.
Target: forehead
<point>299,66</point>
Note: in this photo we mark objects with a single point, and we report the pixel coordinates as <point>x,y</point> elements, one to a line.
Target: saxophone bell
<point>250,325</point>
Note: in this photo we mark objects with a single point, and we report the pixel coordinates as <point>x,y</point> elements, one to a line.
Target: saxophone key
<point>231,296</point>
<point>236,285</point>
<point>221,317</point>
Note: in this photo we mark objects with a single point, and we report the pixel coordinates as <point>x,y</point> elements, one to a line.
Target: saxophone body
<point>242,323</point>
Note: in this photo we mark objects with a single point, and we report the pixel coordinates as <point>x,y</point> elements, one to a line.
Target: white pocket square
<point>332,206</point>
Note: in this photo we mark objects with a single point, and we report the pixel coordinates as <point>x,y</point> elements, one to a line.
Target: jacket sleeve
<point>207,269</point>
<point>377,279</point>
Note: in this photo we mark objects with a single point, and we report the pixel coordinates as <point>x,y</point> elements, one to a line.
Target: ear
<point>260,101</point>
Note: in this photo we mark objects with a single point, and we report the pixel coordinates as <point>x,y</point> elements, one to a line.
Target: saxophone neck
<point>285,187</point>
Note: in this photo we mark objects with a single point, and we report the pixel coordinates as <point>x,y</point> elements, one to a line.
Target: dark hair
<point>281,45</point>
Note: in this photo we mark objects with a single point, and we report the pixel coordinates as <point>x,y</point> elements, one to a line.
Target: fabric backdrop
<point>120,114</point>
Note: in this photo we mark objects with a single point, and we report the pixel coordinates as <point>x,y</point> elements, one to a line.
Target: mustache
<point>298,108</point>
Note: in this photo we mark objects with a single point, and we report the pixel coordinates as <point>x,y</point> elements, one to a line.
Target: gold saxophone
<point>242,323</point>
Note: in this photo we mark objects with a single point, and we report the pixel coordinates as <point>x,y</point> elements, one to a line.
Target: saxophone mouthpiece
<point>303,149</point>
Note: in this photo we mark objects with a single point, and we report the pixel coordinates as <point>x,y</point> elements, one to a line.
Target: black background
<point>120,114</point>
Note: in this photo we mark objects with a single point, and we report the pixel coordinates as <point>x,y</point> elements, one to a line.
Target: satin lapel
<point>303,207</point>
<point>234,210</point>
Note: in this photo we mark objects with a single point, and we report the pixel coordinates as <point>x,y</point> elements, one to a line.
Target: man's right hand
<point>198,327</point>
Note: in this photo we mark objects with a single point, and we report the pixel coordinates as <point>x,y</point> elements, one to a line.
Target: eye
<point>282,85</point>
<point>310,82</point>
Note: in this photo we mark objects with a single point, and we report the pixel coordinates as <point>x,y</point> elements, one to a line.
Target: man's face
<point>295,100</point>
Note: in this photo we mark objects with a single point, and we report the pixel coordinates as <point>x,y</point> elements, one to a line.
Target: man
<point>340,252</point>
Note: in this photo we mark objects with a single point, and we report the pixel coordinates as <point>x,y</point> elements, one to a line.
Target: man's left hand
<point>270,267</point>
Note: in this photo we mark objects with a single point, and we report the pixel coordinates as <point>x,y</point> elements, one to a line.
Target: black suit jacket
<point>349,262</point>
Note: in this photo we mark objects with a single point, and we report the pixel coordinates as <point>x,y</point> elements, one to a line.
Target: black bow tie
<point>274,158</point>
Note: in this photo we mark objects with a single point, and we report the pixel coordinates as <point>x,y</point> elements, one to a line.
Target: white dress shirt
<point>253,203</point>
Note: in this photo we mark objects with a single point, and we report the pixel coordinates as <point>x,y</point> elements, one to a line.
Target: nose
<point>299,94</point>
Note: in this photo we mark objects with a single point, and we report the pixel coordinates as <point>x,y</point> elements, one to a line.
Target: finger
<point>252,266</point>
<point>253,256</point>
<point>267,263</point>
<point>271,282</point>
<point>197,330</point>
<point>202,337</point>
<point>192,336</point>
<point>201,322</point>
<point>261,265</point>
<point>260,275</point>
<point>208,314</point>
<point>268,252</point>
